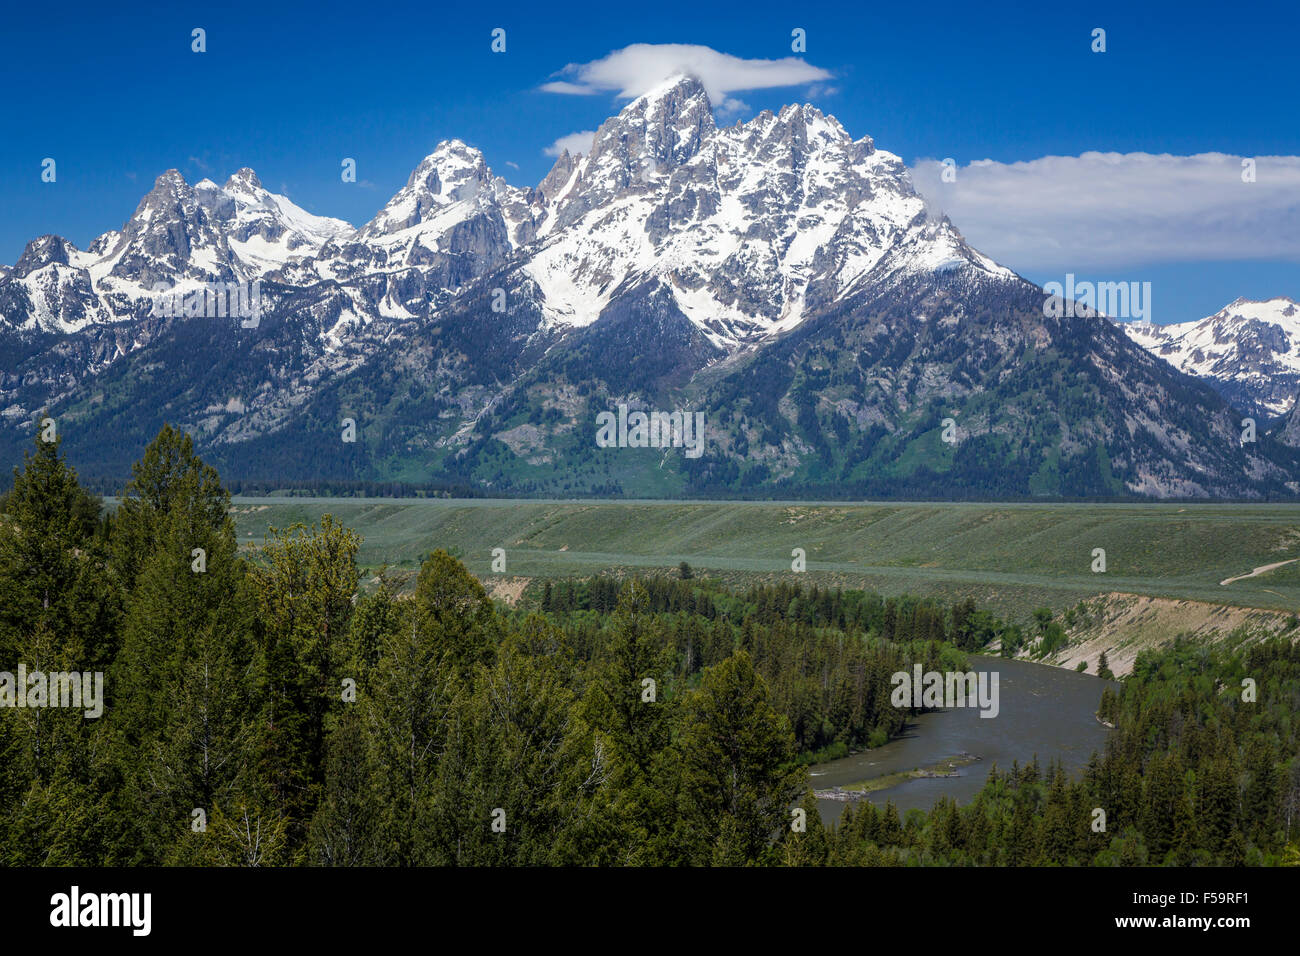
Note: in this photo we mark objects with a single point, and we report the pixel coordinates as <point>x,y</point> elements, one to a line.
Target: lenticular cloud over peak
<point>638,68</point>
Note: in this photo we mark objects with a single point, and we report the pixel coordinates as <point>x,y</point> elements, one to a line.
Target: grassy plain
<point>1011,557</point>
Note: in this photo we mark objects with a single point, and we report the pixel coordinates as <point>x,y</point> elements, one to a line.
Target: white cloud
<point>731,107</point>
<point>575,143</point>
<point>636,69</point>
<point>1115,209</point>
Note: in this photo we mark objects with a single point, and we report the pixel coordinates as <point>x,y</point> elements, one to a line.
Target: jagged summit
<point>42,251</point>
<point>1242,300</point>
<point>244,179</point>
<point>1249,350</point>
<point>169,179</point>
<point>748,228</point>
<point>452,173</point>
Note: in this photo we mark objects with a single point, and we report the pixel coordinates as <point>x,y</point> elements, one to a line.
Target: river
<point>1043,710</point>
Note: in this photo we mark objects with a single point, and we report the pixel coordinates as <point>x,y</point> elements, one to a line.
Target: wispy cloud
<point>731,106</point>
<point>1115,209</point>
<point>575,143</point>
<point>635,69</point>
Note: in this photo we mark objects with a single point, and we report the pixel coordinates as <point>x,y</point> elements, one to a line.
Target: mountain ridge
<point>775,274</point>
<point>1249,349</point>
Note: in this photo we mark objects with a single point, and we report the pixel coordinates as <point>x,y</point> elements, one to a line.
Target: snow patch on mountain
<point>1249,349</point>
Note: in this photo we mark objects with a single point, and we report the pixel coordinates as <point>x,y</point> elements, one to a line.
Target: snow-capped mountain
<point>746,227</point>
<point>1250,351</point>
<point>179,235</point>
<point>749,228</point>
<point>50,288</point>
<point>453,221</point>
<point>777,274</point>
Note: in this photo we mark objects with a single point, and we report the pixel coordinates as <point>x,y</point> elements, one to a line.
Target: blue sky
<point>117,96</point>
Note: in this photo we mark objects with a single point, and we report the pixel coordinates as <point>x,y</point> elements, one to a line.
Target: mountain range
<point>1249,351</point>
<point>840,337</point>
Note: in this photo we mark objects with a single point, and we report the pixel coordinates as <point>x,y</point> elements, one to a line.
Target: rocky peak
<point>244,180</point>
<point>550,187</point>
<point>41,252</point>
<point>170,196</point>
<point>656,132</point>
<point>453,172</point>
<point>1289,434</point>
<point>653,135</point>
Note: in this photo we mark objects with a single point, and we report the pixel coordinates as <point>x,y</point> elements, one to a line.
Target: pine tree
<point>1260,798</point>
<point>184,700</point>
<point>344,831</point>
<point>406,709</point>
<point>57,613</point>
<point>812,847</point>
<point>168,475</point>
<point>634,720</point>
<point>1164,788</point>
<point>525,754</point>
<point>736,757</point>
<point>616,703</point>
<point>51,567</point>
<point>305,592</point>
<point>452,610</point>
<point>1103,668</point>
<point>1217,800</point>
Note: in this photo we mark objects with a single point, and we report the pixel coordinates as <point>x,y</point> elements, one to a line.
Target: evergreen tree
<point>168,475</point>
<point>345,829</point>
<point>1103,668</point>
<point>407,710</point>
<point>736,757</point>
<point>518,778</point>
<point>452,610</point>
<point>634,721</point>
<point>812,847</point>
<point>52,571</point>
<point>183,700</point>
<point>305,592</point>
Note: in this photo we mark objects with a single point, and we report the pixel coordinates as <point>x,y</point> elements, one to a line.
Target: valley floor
<point>1201,569</point>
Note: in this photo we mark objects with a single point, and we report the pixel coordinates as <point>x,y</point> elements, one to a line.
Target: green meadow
<point>1010,556</point>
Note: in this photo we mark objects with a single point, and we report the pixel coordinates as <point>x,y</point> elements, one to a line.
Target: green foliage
<point>181,710</point>
<point>267,712</point>
<point>452,610</point>
<point>52,568</point>
<point>736,754</point>
<point>1103,668</point>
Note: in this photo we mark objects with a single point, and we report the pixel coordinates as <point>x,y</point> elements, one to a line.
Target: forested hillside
<point>269,709</point>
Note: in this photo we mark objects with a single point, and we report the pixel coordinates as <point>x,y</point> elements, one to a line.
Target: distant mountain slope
<point>1249,351</point>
